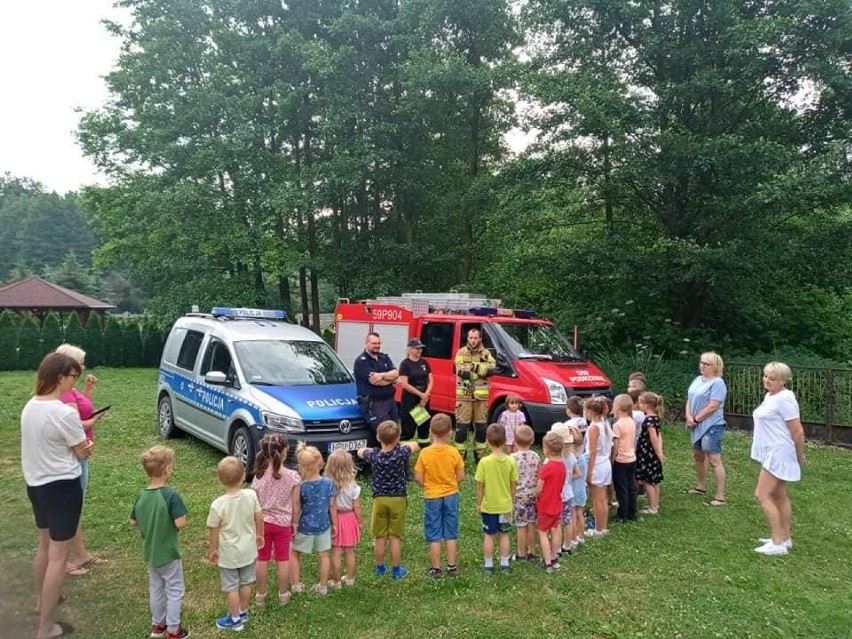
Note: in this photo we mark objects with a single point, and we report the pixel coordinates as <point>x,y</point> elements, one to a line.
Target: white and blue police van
<point>231,376</point>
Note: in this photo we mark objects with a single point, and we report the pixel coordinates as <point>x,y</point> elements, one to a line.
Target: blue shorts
<point>441,518</point>
<point>493,523</point>
<point>711,441</point>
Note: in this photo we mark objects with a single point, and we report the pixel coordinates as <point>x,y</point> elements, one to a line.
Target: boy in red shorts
<point>551,478</point>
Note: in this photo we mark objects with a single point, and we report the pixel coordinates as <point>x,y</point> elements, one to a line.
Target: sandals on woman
<point>694,491</point>
<point>716,502</point>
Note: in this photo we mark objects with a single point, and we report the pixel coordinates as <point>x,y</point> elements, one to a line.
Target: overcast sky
<point>53,54</point>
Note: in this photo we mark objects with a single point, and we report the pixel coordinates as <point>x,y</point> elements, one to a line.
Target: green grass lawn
<point>690,572</point>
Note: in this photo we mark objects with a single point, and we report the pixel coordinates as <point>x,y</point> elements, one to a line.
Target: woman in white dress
<point>779,446</point>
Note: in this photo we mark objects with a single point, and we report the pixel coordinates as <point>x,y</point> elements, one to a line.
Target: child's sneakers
<point>283,598</point>
<point>399,572</point>
<point>321,589</point>
<point>346,581</point>
<point>335,585</point>
<point>180,633</point>
<point>452,571</point>
<point>381,570</point>
<point>158,630</point>
<point>435,573</point>
<point>229,623</point>
<point>260,599</point>
<point>297,589</point>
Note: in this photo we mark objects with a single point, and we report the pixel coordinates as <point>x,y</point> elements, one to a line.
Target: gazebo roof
<point>34,293</point>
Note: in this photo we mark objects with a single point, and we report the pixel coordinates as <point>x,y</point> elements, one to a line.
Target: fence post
<point>829,408</point>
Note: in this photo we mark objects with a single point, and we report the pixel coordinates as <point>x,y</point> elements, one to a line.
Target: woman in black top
<point>415,377</point>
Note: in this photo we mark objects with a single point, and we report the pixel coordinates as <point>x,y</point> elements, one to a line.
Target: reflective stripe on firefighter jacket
<point>481,365</point>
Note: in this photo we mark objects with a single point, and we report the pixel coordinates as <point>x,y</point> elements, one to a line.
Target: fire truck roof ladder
<point>422,303</point>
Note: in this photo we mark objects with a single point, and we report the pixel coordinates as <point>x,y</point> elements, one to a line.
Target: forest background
<point>688,185</point>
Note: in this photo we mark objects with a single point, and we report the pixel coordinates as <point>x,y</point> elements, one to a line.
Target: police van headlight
<point>283,424</point>
<point>556,391</point>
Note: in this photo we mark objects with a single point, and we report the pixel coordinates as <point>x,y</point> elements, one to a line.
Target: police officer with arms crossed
<point>474,363</point>
<point>375,376</point>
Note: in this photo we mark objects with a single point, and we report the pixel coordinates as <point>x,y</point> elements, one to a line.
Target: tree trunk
<point>303,294</point>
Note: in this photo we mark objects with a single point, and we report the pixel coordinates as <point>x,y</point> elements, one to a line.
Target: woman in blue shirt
<point>705,417</point>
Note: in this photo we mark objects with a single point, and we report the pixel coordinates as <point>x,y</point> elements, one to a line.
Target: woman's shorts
<point>306,544</point>
<point>711,441</point>
<point>275,538</point>
<point>57,507</point>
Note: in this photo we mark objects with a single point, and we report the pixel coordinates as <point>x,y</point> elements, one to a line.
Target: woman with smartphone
<point>79,559</point>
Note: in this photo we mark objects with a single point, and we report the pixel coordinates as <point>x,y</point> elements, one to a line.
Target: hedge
<point>116,342</point>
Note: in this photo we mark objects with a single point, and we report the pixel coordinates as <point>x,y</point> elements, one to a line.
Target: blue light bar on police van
<point>248,313</point>
<point>524,314</point>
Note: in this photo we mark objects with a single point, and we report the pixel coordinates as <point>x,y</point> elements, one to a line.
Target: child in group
<point>572,472</point>
<point>340,469</point>
<point>574,408</point>
<point>528,464</point>
<point>624,458</point>
<point>159,513</point>
<point>510,419</point>
<point>649,453</point>
<point>277,490</point>
<point>496,480</point>
<point>316,514</point>
<point>551,480</point>
<point>440,470</point>
<point>389,479</point>
<point>578,483</point>
<point>597,446</point>
<point>235,527</point>
<point>638,418</point>
<point>636,381</point>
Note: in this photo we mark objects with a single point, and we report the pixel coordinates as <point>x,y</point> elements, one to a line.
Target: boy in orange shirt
<point>440,469</point>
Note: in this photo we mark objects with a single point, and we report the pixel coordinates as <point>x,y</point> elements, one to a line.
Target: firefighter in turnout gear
<point>474,363</point>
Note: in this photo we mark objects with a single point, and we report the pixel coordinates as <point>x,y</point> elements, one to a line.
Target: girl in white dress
<point>779,446</point>
<point>597,447</point>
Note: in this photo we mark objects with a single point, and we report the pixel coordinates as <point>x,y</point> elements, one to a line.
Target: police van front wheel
<point>242,447</point>
<point>166,418</point>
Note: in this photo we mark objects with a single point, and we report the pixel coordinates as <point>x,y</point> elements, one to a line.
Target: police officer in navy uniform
<point>375,376</point>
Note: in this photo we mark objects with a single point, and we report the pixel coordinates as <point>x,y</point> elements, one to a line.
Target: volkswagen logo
<point>345,426</point>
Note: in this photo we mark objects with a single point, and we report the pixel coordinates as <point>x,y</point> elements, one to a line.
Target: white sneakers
<point>773,549</point>
<point>787,543</point>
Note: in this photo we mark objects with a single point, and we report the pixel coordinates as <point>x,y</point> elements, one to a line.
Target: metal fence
<point>824,395</point>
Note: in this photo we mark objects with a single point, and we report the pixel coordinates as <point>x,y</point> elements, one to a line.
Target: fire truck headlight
<point>556,391</point>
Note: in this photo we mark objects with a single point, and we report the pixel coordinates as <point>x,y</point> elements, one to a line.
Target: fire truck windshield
<point>290,363</point>
<point>537,341</point>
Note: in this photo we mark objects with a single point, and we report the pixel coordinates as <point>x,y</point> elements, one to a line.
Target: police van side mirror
<point>217,378</point>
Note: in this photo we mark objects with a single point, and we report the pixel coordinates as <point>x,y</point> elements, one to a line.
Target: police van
<point>231,376</point>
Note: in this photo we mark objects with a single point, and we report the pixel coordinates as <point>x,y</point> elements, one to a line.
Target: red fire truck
<point>534,360</point>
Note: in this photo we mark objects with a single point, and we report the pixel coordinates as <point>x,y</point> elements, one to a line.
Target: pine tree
<point>113,343</point>
<point>52,334</point>
<point>93,341</point>
<point>152,345</point>
<point>133,353</point>
<point>29,343</point>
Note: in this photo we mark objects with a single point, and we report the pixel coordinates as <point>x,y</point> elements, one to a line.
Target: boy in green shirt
<point>159,513</point>
<point>496,479</point>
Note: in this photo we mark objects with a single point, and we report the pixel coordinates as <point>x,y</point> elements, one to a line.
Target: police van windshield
<point>290,363</point>
<point>537,341</point>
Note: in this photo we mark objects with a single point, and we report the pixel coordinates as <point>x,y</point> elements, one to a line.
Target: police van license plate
<point>350,446</point>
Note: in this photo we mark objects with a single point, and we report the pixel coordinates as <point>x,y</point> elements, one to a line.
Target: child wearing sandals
<point>277,490</point>
<point>340,469</point>
<point>598,445</point>
<point>649,452</point>
<point>316,512</point>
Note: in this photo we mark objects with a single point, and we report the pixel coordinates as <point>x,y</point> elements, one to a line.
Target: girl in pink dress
<point>341,470</point>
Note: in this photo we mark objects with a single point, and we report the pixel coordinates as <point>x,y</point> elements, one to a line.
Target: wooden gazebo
<point>40,297</point>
